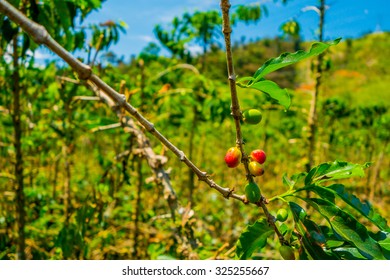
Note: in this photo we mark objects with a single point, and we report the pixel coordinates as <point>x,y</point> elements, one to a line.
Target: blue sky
<point>344,18</point>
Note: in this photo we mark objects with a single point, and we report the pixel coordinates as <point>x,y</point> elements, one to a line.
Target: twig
<point>231,250</point>
<point>98,46</point>
<point>85,98</point>
<point>219,251</point>
<point>235,107</point>
<point>154,161</point>
<point>106,127</point>
<point>67,79</point>
<point>178,66</point>
<point>227,30</point>
<point>312,117</point>
<point>41,36</point>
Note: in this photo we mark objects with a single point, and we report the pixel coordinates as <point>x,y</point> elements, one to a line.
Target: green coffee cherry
<point>252,192</point>
<point>282,215</point>
<point>287,252</point>
<point>252,116</point>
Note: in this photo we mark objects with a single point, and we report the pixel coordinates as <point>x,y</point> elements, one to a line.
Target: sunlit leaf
<point>365,209</point>
<point>272,90</point>
<point>254,237</point>
<point>349,253</point>
<point>307,229</point>
<point>383,239</point>
<point>347,227</point>
<point>334,243</point>
<point>287,59</point>
<point>287,182</point>
<point>334,171</point>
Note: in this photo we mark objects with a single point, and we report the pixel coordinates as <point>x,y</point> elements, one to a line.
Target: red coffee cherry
<point>233,157</point>
<point>258,155</point>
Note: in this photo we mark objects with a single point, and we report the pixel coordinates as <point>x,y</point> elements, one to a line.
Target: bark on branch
<point>41,36</point>
<point>227,30</point>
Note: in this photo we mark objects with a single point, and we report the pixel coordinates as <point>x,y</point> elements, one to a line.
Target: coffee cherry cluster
<point>257,158</point>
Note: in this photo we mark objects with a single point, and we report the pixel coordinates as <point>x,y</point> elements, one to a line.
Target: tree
<point>342,237</point>
<point>48,13</point>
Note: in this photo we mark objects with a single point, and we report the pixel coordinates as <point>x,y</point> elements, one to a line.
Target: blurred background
<point>76,182</point>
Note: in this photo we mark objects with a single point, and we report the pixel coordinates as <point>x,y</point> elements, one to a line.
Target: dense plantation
<point>80,178</point>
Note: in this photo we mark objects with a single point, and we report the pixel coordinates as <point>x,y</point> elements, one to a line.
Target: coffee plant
<point>311,216</point>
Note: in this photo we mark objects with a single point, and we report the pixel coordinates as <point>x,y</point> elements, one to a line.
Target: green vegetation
<point>80,179</point>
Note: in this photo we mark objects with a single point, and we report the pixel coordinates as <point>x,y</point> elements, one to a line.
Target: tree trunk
<point>377,169</point>
<point>20,199</point>
<point>138,208</point>
<point>191,175</point>
<point>312,120</point>
<point>67,192</point>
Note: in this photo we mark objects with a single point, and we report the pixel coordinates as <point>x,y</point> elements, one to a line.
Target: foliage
<point>344,237</point>
<point>66,129</point>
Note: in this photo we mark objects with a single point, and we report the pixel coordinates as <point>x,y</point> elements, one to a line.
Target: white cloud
<point>189,6</point>
<point>195,49</point>
<point>146,38</point>
<point>39,55</point>
<point>203,5</point>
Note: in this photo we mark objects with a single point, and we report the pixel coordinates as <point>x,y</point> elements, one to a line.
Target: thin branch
<point>236,112</point>
<point>312,117</point>
<point>41,36</point>
<point>154,161</point>
<point>85,98</point>
<point>219,251</point>
<point>98,46</point>
<point>106,127</point>
<point>235,107</point>
<point>67,79</point>
<point>178,66</point>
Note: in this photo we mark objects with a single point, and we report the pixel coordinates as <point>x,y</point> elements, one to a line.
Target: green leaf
<point>287,59</point>
<point>349,253</point>
<point>248,13</point>
<point>322,192</point>
<point>254,237</point>
<point>283,228</point>
<point>272,90</point>
<point>334,171</point>
<point>64,15</point>
<point>383,239</point>
<point>386,242</point>
<point>334,243</point>
<point>287,182</point>
<point>347,228</point>
<point>363,208</point>
<point>312,236</point>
